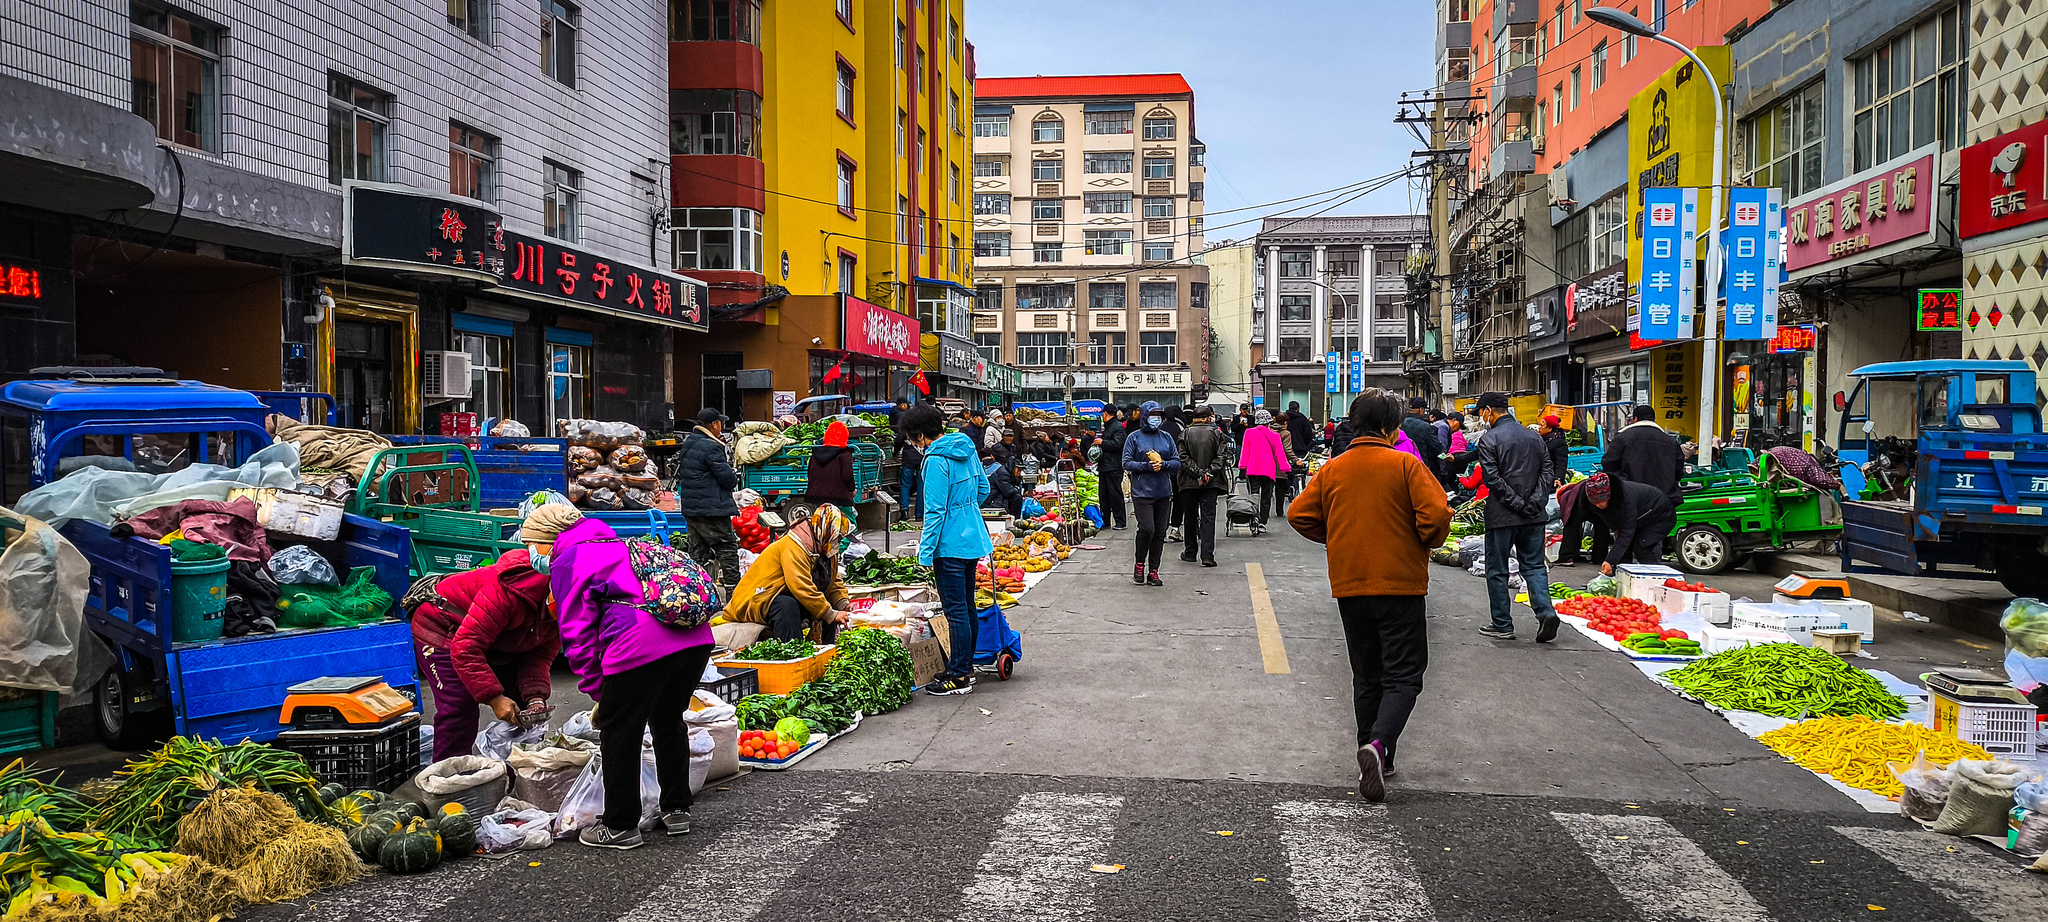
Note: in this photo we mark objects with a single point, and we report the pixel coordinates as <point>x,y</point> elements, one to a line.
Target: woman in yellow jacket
<point>795,584</point>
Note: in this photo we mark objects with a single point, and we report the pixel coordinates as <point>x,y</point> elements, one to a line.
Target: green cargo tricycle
<point>434,492</point>
<point>1727,516</point>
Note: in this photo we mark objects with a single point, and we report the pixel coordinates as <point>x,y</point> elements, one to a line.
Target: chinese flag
<point>923,387</point>
<point>832,374</point>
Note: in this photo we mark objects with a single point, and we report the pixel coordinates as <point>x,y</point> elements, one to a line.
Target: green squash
<point>348,810</point>
<point>372,797</point>
<point>368,838</point>
<point>330,792</point>
<point>412,850</point>
<point>458,834</point>
<point>406,809</point>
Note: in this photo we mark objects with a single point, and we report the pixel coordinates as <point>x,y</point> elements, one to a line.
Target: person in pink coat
<point>1263,459</point>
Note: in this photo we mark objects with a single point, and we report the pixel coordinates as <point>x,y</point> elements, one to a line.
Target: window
<point>955,174</point>
<point>992,244</point>
<point>1158,251</point>
<point>991,166</point>
<point>1046,253</point>
<point>1599,64</point>
<point>558,41</point>
<point>1106,122</point>
<point>1106,242</point>
<point>1041,348</point>
<point>989,298</point>
<point>990,345</point>
<point>1108,349</point>
<point>357,119</point>
<point>1389,265</point>
<point>1784,144</point>
<point>846,169</point>
<point>917,153</point>
<point>1342,264</point>
<point>1386,349</point>
<point>1579,10</point>
<point>1542,45</point>
<point>1198,295</point>
<point>991,203</point>
<point>714,21</point>
<point>1575,87</point>
<point>569,381</point>
<point>714,122</point>
<point>902,220</point>
<point>844,99</point>
<point>1295,349</point>
<point>1195,191</point>
<point>1048,209</point>
<point>1295,307</point>
<point>1106,296</point>
<point>953,249</point>
<point>918,75</point>
<point>1197,155</point>
<point>1557,104</point>
<point>1159,128</point>
<point>561,213</point>
<point>716,238</point>
<point>1388,307</point>
<point>991,126</point>
<point>1048,129</point>
<point>1048,170</point>
<point>1542,117</point>
<point>472,17</point>
<point>1045,297</point>
<point>1158,167</point>
<point>1159,208</point>
<point>1912,91</point>
<point>490,374</point>
<point>953,111</point>
<point>1572,255</point>
<point>1106,202</point>
<point>1610,236</point>
<point>902,54</point>
<point>849,273</point>
<point>1106,162</point>
<point>472,163</point>
<point>176,62</point>
<point>1297,264</point>
<point>953,37</point>
<point>1156,348</point>
<point>845,10</point>
<point>1158,296</point>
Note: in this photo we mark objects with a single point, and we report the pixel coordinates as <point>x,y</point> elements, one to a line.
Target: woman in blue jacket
<point>1153,459</point>
<point>954,538</point>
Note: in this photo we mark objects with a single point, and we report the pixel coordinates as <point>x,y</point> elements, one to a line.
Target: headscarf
<point>819,535</point>
<point>1598,489</point>
<point>1262,417</point>
<point>836,434</point>
<point>546,521</point>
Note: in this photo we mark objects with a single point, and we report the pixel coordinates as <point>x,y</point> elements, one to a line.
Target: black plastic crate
<point>739,682</point>
<point>379,759</point>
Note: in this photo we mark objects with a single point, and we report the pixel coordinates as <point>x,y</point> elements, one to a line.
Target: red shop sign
<point>871,329</point>
<point>1876,207</point>
<point>2005,181</point>
<point>1793,339</point>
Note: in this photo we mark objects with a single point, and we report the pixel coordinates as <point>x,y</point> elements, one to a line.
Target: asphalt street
<point>1536,782</point>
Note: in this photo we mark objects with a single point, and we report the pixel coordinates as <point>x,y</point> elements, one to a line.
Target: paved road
<point>1537,782</point>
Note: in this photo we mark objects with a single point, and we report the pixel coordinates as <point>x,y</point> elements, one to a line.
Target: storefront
<point>1040,386</point>
<point>874,341</point>
<point>1602,359</point>
<point>1548,351</point>
<point>1770,401</point>
<point>953,368</point>
<point>1004,383</point>
<point>2004,192</point>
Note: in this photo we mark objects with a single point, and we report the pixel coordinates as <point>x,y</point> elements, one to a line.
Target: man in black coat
<point>1640,517</point>
<point>1109,488</point>
<point>704,484</point>
<point>977,427</point>
<point>1419,430</point>
<point>1517,471</point>
<point>1644,453</point>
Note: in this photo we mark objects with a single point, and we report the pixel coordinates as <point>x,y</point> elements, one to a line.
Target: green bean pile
<point>1787,680</point>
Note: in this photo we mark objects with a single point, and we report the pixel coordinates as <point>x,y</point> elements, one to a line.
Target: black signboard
<point>402,229</point>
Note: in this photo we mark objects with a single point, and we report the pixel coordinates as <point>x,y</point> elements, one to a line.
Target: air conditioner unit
<point>1538,145</point>
<point>444,375</point>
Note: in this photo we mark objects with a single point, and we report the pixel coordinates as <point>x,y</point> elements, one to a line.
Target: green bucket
<point>199,599</point>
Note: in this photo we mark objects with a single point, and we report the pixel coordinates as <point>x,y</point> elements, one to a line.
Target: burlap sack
<point>1981,799</point>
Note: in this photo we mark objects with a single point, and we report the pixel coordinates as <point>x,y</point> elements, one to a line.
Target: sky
<point>1291,96</point>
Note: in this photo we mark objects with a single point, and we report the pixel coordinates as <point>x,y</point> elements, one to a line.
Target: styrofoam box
<point>1641,581</point>
<point>1798,621</point>
<point>1718,639</point>
<point>1856,614</point>
<point>1712,607</point>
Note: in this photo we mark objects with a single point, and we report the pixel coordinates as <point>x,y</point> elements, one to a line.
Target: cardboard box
<point>1718,639</point>
<point>1796,621</point>
<point>1855,614</point>
<point>941,632</point>
<point>1711,607</point>
<point>1642,581</point>
<point>927,660</point>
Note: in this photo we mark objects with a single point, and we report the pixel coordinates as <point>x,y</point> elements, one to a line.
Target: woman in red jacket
<point>486,638</point>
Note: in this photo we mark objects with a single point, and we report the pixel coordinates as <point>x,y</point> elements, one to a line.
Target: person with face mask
<point>794,586</point>
<point>486,636</point>
<point>1153,460</point>
<point>954,537</point>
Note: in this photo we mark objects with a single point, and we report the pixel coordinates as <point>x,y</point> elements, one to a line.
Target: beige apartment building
<point>1088,234</point>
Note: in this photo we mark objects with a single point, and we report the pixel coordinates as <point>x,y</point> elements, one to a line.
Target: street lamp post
<point>1710,358</point>
<point>1344,380</point>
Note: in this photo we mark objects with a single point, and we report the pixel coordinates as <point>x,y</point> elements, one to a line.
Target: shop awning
<point>921,280</point>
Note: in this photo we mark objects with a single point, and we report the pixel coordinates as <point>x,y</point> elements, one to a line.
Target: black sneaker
<point>676,822</point>
<point>1190,558</point>
<point>949,685</point>
<point>1372,778</point>
<point>1497,635</point>
<point>1152,579</point>
<point>1546,630</point>
<point>1209,563</point>
<point>598,835</point>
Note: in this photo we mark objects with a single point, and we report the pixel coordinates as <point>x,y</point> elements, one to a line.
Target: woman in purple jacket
<point>640,671</point>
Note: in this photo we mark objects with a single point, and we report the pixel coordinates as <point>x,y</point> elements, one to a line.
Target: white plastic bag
<point>303,565</point>
<point>43,584</point>
<point>579,726</point>
<point>1926,787</point>
<point>584,804</point>
<point>515,830</point>
<point>703,750</point>
<point>541,498</point>
<point>496,739</point>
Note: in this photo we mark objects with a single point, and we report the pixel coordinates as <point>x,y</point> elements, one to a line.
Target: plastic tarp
<point>42,603</point>
<point>98,495</point>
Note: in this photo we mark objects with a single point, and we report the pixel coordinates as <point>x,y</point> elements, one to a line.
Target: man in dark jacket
<point>1003,492</point>
<point>704,484</point>
<point>1560,452</point>
<point>1517,469</point>
<point>1416,424</point>
<point>976,428</point>
<point>1109,489</point>
<point>1204,475</point>
<point>1346,432</point>
<point>1644,453</point>
<point>1637,513</point>
<point>1299,426</point>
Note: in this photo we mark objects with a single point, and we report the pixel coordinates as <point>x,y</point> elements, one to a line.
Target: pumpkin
<point>348,810</point>
<point>371,798</point>
<point>368,838</point>
<point>406,809</point>
<point>412,850</point>
<point>458,834</point>
<point>330,791</point>
<point>452,808</point>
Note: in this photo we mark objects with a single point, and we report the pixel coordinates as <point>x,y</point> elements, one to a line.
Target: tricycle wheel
<point>1003,663</point>
<point>2022,570</point>
<point>1703,549</point>
<point>121,726</point>
<point>796,510</point>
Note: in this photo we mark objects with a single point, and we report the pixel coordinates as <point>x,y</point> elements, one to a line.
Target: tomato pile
<point>753,535</point>
<point>766,744</point>
<point>1683,586</point>
<point>1617,618</point>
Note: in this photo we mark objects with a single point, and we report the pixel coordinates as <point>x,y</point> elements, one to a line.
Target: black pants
<point>715,546</point>
<point>1648,546</point>
<point>1198,522</point>
<point>1153,516</point>
<point>1174,515</point>
<point>1573,537</point>
<point>786,618</point>
<point>1267,491</point>
<point>1389,643</point>
<point>650,697</point>
<point>1109,495</point>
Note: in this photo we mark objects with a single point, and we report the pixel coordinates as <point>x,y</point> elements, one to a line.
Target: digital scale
<point>1975,685</point>
<point>1801,586</point>
<point>343,703</point>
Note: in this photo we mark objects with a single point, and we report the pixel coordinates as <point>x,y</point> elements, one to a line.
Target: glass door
<point>364,394</point>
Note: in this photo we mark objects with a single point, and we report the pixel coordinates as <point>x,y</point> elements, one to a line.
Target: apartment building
<point>1088,236</point>
<point>327,198</point>
<point>1331,308</point>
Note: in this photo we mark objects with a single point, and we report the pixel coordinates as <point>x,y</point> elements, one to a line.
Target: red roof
<point>1083,85</point>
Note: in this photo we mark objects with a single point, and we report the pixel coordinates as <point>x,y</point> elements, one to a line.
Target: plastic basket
<point>380,758</point>
<point>29,722</point>
<point>2008,731</point>
<point>783,678</point>
<point>738,682</point>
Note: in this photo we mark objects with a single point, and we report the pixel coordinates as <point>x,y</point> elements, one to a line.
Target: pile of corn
<point>1856,750</point>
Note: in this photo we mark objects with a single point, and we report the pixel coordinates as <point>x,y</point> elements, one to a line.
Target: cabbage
<point>794,730</point>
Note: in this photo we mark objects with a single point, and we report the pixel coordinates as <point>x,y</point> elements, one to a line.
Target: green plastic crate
<point>29,723</point>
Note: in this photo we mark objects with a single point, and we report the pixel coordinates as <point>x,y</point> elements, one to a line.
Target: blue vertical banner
<point>1357,373</point>
<point>1756,230</point>
<point>1669,294</point>
<point>1331,373</point>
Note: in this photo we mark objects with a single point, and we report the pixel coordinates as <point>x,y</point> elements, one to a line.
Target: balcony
<point>1512,157</point>
<point>1514,13</point>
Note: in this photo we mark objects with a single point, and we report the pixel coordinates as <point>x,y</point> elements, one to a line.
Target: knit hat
<point>1598,488</point>
<point>1262,417</point>
<point>546,521</point>
<point>836,434</point>
<point>1553,422</point>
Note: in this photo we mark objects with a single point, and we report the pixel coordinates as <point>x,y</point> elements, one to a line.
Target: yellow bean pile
<point>1855,749</point>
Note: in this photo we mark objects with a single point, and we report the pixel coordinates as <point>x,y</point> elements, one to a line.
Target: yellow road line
<point>1271,648</point>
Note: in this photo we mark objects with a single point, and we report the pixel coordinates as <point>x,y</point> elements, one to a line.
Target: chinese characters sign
<point>2005,181</point>
<point>1674,381</point>
<point>1874,208</point>
<point>1670,253</point>
<point>871,329</point>
<point>406,230</point>
<point>20,284</point>
<point>952,356</point>
<point>1151,380</point>
<point>1357,372</point>
<point>1940,310</point>
<point>1333,373</point>
<point>1755,219</point>
<point>1793,339</point>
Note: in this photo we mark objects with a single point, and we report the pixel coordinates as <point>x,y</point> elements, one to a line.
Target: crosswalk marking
<point>1661,872</point>
<point>743,868</point>
<point>1347,864</point>
<point>1991,888</point>
<point>1036,870</point>
<point>394,899</point>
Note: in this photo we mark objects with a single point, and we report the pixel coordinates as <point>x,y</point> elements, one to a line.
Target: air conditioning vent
<point>1159,227</point>
<point>1046,190</point>
<point>1538,146</point>
<point>1048,230</point>
<point>444,375</point>
<point>1159,187</point>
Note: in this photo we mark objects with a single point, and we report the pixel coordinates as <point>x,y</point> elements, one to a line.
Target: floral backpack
<point>678,590</point>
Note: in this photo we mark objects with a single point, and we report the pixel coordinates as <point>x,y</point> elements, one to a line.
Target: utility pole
<point>1440,233</point>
